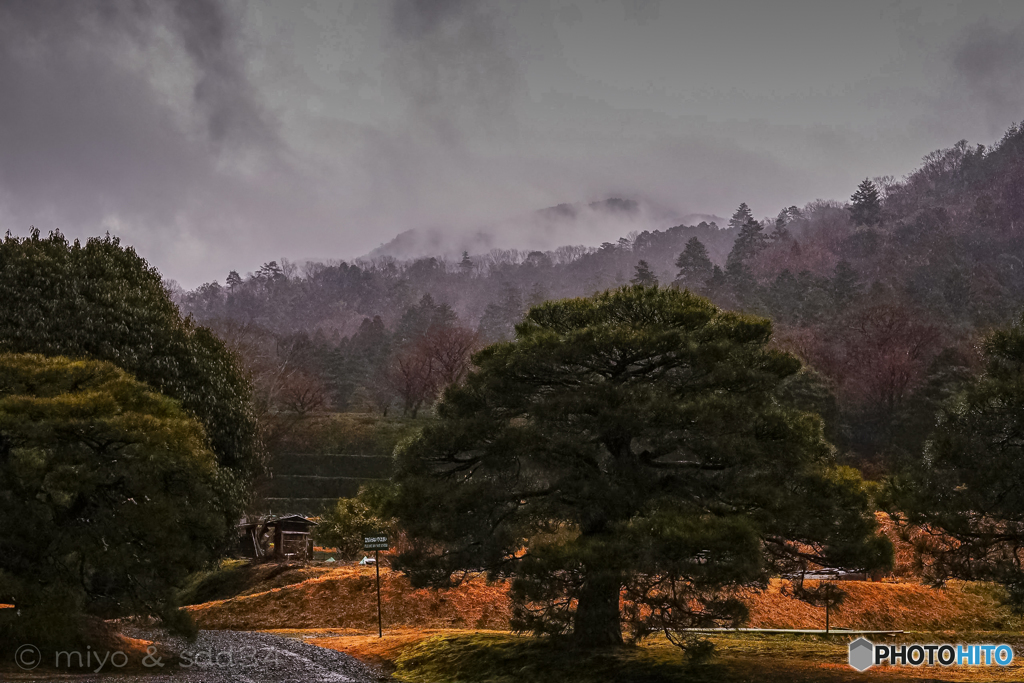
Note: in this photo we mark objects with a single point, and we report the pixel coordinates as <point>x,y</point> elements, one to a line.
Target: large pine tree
<point>639,445</point>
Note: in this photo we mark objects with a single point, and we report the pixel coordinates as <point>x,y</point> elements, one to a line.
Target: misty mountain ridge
<point>589,224</point>
<point>886,297</point>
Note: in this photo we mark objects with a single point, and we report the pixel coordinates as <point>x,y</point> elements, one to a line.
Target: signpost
<point>376,543</point>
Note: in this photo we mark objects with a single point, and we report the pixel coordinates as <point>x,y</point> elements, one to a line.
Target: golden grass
<point>345,597</point>
<point>494,657</point>
<point>435,635</point>
<point>879,606</point>
<point>380,652</point>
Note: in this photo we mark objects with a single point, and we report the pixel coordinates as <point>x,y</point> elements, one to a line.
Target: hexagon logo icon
<point>861,654</point>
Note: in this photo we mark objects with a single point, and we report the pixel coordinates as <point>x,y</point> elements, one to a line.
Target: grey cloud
<point>642,11</point>
<point>989,64</point>
<point>449,61</point>
<point>414,19</point>
<point>133,116</point>
<point>78,128</point>
<point>219,134</point>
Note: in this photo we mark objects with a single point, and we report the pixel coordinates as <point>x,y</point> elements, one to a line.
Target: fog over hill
<point>588,224</point>
<point>214,135</point>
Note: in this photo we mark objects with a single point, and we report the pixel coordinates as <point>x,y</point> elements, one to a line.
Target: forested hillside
<point>884,295</point>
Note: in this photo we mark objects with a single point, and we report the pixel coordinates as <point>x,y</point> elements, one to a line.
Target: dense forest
<point>885,296</point>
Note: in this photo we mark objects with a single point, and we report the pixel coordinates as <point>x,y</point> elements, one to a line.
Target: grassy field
<point>343,597</point>
<point>456,656</point>
<point>460,635</point>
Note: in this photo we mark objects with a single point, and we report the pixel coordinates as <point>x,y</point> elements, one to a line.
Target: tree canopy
<point>102,301</point>
<point>967,489</point>
<point>109,493</point>
<point>638,442</point>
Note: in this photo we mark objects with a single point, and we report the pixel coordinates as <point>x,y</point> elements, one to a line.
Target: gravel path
<point>236,657</point>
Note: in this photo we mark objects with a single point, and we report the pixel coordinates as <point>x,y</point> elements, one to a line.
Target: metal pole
<point>380,626</point>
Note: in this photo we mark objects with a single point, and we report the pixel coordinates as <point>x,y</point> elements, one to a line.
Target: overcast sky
<point>215,135</point>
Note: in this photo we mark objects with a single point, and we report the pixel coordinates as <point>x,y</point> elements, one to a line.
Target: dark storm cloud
<point>223,91</point>
<point>989,64</point>
<point>79,128</point>
<point>133,116</point>
<point>220,134</point>
<point>39,33</point>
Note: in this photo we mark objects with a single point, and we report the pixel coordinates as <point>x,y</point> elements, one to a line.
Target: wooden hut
<point>293,537</point>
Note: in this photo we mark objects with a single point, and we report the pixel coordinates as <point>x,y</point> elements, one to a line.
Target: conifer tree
<point>694,264</point>
<point>748,244</point>
<point>741,217</point>
<point>781,232</point>
<point>866,205</point>
<point>643,275</point>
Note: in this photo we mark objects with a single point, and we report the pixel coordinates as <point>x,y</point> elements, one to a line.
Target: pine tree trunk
<point>597,621</point>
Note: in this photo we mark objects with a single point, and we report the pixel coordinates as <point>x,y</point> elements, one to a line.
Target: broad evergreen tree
<point>110,497</point>
<point>636,445</point>
<point>866,205</point>
<point>102,301</point>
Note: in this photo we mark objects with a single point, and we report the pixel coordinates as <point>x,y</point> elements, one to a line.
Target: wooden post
<point>380,623</point>
<point>827,604</point>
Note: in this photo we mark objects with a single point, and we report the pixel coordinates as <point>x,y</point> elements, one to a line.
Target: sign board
<point>378,542</point>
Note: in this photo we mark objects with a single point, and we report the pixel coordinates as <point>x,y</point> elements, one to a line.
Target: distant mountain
<point>588,224</point>
<point>888,312</point>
